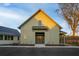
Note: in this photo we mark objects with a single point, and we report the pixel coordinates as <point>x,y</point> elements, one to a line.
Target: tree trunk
<point>73,32</point>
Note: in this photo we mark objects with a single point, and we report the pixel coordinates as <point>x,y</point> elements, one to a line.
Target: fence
<point>70,40</point>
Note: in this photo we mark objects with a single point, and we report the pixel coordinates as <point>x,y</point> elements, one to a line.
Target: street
<point>32,51</point>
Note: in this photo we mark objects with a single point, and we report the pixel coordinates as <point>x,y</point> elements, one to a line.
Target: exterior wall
<point>52,36</point>
<point>28,35</point>
<point>15,40</point>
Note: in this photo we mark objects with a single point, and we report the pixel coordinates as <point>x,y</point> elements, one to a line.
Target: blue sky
<point>13,15</point>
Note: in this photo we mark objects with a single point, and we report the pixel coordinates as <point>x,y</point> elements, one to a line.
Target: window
<point>18,38</point>
<point>7,37</point>
<point>1,37</point>
<point>11,37</point>
<point>39,28</point>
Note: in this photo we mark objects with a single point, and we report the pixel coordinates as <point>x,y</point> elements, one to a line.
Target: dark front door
<point>39,37</point>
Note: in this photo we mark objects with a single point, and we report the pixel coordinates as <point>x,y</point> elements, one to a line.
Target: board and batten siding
<point>51,35</point>
<point>28,35</point>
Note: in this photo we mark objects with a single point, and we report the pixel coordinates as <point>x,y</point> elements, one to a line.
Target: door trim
<point>37,34</point>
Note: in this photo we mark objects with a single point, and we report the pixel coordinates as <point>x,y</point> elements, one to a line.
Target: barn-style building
<point>40,29</point>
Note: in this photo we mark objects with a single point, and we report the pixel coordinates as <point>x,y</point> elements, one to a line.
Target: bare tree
<point>77,29</point>
<point>70,11</point>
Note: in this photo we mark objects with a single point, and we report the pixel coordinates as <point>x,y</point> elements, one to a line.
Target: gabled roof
<point>36,14</point>
<point>9,31</point>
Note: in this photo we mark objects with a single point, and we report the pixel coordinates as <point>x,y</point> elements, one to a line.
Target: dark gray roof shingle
<point>9,31</point>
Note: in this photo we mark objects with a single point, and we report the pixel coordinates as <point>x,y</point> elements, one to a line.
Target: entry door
<point>39,37</point>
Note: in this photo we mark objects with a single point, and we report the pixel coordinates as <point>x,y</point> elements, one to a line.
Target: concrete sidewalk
<point>44,46</point>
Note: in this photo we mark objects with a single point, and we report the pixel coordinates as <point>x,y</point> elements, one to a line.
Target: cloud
<point>6,4</point>
<point>66,27</point>
<point>13,14</point>
<point>10,15</point>
<point>1,23</point>
<point>64,24</point>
